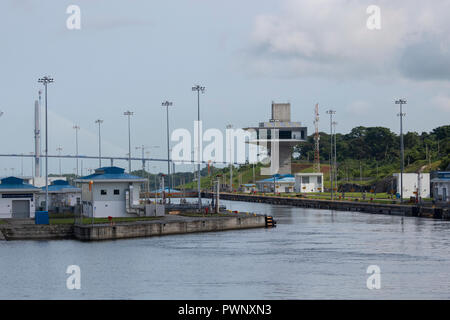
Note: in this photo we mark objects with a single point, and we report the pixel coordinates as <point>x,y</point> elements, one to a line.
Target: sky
<point>132,55</point>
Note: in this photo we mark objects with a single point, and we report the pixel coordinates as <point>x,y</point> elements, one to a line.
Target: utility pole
<point>76,127</point>
<point>46,80</point>
<point>401,102</point>
<point>129,114</point>
<point>167,104</point>
<point>331,112</point>
<point>199,89</point>
<point>99,122</point>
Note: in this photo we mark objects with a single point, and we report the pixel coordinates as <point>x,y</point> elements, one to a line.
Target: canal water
<point>312,254</point>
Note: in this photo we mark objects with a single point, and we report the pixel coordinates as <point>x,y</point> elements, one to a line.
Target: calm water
<point>312,254</point>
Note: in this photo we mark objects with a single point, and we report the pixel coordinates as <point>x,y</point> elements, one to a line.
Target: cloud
<point>330,38</point>
<point>442,102</point>
<point>359,107</point>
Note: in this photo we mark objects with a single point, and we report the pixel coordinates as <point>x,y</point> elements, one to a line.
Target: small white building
<point>40,181</point>
<point>110,192</point>
<point>441,186</point>
<point>17,199</point>
<point>279,183</point>
<point>60,194</point>
<point>248,187</point>
<point>309,182</point>
<point>413,184</point>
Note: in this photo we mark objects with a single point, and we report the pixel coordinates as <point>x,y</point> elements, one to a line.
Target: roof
<point>166,189</point>
<point>286,178</point>
<point>16,184</point>
<point>110,173</point>
<point>61,186</point>
<point>309,174</point>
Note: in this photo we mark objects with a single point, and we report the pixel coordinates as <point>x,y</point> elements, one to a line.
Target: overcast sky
<point>135,54</point>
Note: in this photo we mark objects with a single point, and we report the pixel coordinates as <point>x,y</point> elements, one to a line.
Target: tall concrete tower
<point>37,139</point>
<point>279,136</point>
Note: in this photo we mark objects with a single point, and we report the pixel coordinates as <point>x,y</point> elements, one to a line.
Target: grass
<point>99,220</point>
<point>2,221</point>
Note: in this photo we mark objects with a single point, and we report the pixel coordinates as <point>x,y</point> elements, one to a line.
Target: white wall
<point>411,184</point>
<point>312,186</point>
<point>6,206</point>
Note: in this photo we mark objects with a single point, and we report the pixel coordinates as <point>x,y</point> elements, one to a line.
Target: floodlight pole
<point>167,104</point>
<point>76,127</point>
<point>401,102</point>
<point>129,113</point>
<point>99,121</point>
<point>46,80</point>
<point>199,89</point>
<point>331,112</point>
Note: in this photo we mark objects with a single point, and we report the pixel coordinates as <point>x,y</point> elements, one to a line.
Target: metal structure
<point>401,102</point>
<point>199,89</point>
<point>76,127</point>
<point>231,161</point>
<point>129,114</point>
<point>316,140</point>
<point>167,104</point>
<point>45,81</point>
<point>99,122</point>
<point>331,112</point>
<point>59,149</point>
<point>335,157</point>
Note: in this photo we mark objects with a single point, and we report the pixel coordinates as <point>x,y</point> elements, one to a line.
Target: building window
<point>116,191</point>
<point>103,192</point>
<point>305,179</point>
<point>319,179</point>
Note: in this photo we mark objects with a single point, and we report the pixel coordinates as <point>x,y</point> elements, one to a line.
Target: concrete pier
<point>167,225</point>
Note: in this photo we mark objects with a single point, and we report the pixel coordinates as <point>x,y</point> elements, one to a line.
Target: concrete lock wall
<point>107,232</point>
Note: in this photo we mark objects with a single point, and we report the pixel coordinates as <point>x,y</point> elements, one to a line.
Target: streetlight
<point>331,112</point>
<point>76,127</point>
<point>99,121</point>
<point>335,157</point>
<point>229,126</point>
<point>401,102</point>
<point>46,80</point>
<point>167,104</point>
<point>199,89</point>
<point>129,114</point>
<point>59,149</point>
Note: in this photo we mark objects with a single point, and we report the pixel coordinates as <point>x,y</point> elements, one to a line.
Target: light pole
<point>76,127</point>
<point>167,104</point>
<point>59,149</point>
<point>401,102</point>
<point>335,156</point>
<point>99,122</point>
<point>331,112</point>
<point>129,114</point>
<point>229,126</point>
<point>46,80</point>
<point>143,161</point>
<point>199,89</point>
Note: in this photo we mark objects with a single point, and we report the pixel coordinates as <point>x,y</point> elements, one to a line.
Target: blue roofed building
<point>277,183</point>
<point>441,186</point>
<point>17,198</point>
<point>109,191</point>
<point>60,195</point>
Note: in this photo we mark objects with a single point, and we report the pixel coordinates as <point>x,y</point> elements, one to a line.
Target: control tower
<point>279,133</point>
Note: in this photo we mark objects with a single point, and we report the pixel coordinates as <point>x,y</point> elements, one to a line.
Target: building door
<point>21,209</point>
